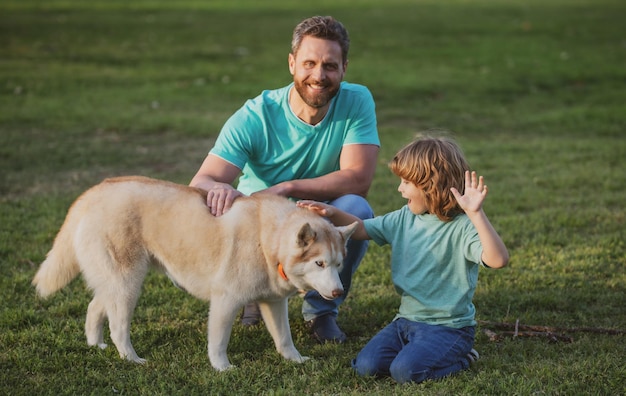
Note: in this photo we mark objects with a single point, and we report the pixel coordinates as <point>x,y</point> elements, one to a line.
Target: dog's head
<point>316,257</point>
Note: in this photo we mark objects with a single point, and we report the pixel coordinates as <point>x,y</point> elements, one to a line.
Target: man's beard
<point>316,100</point>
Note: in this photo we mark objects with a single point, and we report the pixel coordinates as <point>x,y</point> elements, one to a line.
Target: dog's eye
<point>319,264</point>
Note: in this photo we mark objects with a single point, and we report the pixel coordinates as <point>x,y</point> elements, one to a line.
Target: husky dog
<point>263,249</point>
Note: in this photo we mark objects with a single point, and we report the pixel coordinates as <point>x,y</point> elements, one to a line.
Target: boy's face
<point>416,197</point>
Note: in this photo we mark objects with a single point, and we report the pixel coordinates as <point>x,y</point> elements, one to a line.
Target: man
<point>313,139</point>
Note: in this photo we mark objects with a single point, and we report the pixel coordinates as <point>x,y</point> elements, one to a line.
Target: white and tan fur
<point>117,229</point>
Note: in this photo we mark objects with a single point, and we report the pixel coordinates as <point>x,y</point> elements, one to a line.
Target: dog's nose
<point>337,293</point>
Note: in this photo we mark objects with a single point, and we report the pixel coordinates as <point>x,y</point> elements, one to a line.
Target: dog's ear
<point>306,235</point>
<point>347,231</point>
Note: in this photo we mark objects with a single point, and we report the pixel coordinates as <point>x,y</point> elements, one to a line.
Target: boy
<point>438,241</point>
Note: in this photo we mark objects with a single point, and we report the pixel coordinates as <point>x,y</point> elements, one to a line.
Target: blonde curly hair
<point>434,165</point>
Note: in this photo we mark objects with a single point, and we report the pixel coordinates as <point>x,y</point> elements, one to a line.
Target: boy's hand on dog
<point>320,208</point>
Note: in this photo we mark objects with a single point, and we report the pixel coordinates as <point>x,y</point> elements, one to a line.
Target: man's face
<point>317,70</point>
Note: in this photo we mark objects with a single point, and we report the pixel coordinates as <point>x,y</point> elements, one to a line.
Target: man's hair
<point>434,164</point>
<point>322,27</point>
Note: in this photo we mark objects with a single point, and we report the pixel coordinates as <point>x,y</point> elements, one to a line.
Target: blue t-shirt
<point>271,145</point>
<point>434,265</point>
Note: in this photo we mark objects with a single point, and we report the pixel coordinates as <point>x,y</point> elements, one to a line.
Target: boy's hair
<point>323,27</point>
<point>434,164</point>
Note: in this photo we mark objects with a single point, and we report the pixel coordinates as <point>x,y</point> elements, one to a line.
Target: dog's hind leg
<point>221,317</point>
<point>120,307</point>
<point>116,291</point>
<point>275,315</point>
<point>114,264</point>
<point>96,314</point>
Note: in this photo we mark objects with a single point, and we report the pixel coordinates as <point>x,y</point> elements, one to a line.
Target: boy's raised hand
<point>475,193</point>
<point>495,254</point>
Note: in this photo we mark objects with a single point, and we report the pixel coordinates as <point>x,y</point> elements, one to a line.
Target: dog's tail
<point>60,265</point>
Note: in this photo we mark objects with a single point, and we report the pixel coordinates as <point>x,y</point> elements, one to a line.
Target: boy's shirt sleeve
<point>381,229</point>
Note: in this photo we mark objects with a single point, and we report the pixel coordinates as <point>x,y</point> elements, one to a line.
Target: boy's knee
<point>402,373</point>
<point>365,366</point>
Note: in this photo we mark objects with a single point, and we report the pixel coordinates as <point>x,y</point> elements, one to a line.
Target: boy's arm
<point>495,254</point>
<point>336,216</point>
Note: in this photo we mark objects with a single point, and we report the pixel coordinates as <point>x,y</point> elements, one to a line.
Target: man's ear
<point>291,60</point>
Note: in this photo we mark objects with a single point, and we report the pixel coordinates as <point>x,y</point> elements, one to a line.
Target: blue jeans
<point>315,305</point>
<point>413,351</point>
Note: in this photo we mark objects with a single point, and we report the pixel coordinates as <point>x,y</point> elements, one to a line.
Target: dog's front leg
<point>221,317</point>
<point>275,315</point>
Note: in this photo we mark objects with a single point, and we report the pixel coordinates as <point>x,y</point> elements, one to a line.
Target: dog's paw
<point>298,359</point>
<point>102,345</point>
<point>134,358</point>
<point>138,360</point>
<point>293,355</point>
<point>225,367</point>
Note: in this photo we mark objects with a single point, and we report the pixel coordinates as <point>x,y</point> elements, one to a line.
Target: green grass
<point>534,91</point>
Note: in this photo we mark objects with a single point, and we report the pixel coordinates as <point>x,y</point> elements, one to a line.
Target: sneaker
<point>251,315</point>
<point>473,356</point>
<point>325,329</point>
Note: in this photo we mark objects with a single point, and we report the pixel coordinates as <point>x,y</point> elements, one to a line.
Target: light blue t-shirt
<point>271,145</point>
<point>434,265</point>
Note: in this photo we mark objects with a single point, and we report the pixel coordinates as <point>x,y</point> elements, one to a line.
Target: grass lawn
<point>534,91</point>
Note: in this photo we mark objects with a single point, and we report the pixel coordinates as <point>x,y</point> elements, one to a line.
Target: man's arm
<point>216,177</point>
<point>357,166</point>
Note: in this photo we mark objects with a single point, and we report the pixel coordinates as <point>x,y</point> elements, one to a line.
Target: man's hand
<point>220,198</point>
<point>216,176</point>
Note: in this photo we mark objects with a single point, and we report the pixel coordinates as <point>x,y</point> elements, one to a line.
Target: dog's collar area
<point>281,272</point>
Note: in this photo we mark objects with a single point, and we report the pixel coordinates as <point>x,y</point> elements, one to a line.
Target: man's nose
<point>318,73</point>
